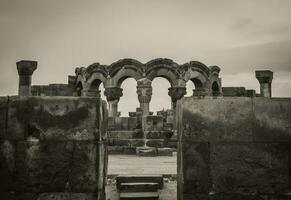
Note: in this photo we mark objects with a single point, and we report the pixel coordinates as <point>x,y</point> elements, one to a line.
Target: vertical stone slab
<point>56,146</point>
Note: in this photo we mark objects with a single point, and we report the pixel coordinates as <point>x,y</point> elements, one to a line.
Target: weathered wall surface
<point>234,148</point>
<point>51,148</point>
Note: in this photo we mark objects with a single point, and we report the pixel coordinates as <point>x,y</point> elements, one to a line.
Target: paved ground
<point>132,164</point>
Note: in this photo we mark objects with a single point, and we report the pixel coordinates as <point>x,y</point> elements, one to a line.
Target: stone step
<point>139,187</point>
<point>139,196</point>
<point>146,151</point>
<point>140,179</point>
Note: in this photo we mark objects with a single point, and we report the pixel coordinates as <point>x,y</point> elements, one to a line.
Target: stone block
<point>84,169</point>
<point>7,165</point>
<point>226,119</point>
<point>67,196</point>
<point>272,119</point>
<point>125,142</point>
<point>165,152</point>
<point>132,123</point>
<point>196,164</point>
<point>43,166</point>
<point>250,168</point>
<point>153,123</point>
<point>158,143</point>
<point>7,195</point>
<point>17,117</point>
<point>52,118</point>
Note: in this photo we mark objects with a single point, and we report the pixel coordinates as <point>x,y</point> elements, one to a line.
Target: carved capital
<point>176,93</point>
<point>26,67</point>
<point>264,76</point>
<point>113,93</point>
<point>144,90</point>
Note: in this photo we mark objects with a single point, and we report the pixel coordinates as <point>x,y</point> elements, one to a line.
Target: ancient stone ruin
<point>231,142</point>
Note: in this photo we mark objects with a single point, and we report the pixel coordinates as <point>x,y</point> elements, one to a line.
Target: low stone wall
<point>234,148</point>
<point>52,148</point>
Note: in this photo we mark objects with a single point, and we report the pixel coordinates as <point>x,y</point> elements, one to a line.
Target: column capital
<point>26,67</point>
<point>177,93</point>
<point>144,90</point>
<point>264,76</point>
<point>113,93</point>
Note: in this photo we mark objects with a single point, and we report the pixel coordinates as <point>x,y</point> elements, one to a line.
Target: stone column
<point>25,70</point>
<point>144,92</point>
<point>176,93</point>
<point>265,78</point>
<point>113,95</point>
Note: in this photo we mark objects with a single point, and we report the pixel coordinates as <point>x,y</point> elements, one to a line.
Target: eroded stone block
<point>272,119</point>
<point>227,119</point>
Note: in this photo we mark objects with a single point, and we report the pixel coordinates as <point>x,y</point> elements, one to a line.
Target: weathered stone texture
<point>51,149</point>
<point>272,119</point>
<point>227,119</point>
<point>235,148</point>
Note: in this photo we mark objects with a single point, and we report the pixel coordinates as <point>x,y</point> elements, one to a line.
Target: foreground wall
<point>234,148</point>
<point>52,148</point>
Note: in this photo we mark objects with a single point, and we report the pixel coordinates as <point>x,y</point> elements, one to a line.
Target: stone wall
<point>53,90</point>
<point>52,148</point>
<point>234,148</point>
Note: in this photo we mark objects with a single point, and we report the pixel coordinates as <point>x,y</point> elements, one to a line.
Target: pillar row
<point>113,95</point>
<point>144,92</point>
<point>25,70</point>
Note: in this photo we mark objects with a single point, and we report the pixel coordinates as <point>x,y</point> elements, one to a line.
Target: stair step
<point>139,187</point>
<point>140,179</point>
<point>139,196</point>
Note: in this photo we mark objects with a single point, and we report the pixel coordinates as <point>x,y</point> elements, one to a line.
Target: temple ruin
<point>231,142</point>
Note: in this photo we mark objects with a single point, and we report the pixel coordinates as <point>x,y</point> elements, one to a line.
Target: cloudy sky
<point>240,36</point>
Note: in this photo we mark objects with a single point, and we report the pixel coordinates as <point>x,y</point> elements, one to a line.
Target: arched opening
<point>79,89</point>
<point>98,86</point>
<point>215,89</point>
<point>160,98</point>
<point>129,101</point>
<point>193,87</point>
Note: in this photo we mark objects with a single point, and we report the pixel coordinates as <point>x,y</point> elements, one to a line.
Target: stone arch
<point>125,68</point>
<point>123,74</point>
<point>198,74</point>
<point>95,80</point>
<point>164,68</point>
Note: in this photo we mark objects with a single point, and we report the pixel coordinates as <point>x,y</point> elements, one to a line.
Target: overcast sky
<point>240,36</point>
